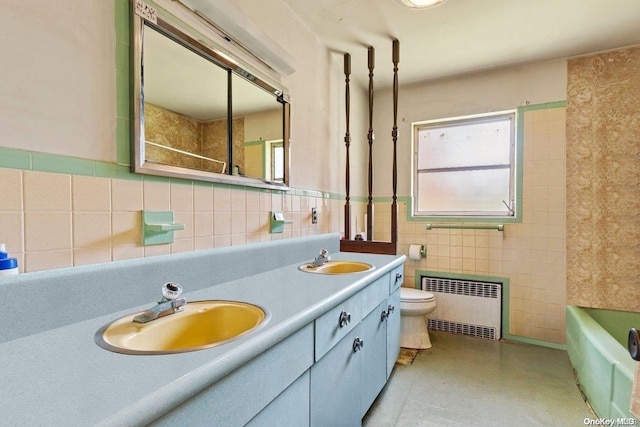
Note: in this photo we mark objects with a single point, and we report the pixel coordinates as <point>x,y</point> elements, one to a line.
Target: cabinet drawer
<point>374,294</point>
<point>332,326</point>
<point>396,278</point>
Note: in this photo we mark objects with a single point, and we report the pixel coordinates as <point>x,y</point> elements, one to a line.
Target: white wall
<point>58,84</point>
<point>57,80</point>
<point>461,95</point>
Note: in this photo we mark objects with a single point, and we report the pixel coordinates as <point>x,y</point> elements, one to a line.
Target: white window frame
<point>511,207</point>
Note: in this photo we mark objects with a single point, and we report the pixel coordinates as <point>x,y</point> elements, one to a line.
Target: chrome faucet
<point>169,304</point>
<point>321,259</point>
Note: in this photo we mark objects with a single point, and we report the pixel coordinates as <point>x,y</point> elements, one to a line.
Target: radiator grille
<point>462,328</point>
<point>468,307</point>
<point>461,287</point>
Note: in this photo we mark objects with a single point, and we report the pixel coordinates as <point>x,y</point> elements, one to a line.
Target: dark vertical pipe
<point>347,141</point>
<point>229,122</point>
<point>394,135</point>
<point>370,137</point>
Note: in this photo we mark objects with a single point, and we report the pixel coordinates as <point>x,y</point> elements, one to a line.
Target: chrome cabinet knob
<point>357,344</point>
<point>390,309</point>
<point>398,277</point>
<point>344,319</point>
<point>384,315</point>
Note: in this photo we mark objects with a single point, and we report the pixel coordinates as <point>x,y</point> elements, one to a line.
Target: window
<point>465,166</point>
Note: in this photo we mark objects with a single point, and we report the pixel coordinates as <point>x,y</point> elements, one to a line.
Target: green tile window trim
<point>519,177</point>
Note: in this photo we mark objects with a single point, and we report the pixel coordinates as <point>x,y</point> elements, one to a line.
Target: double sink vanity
<point>263,338</point>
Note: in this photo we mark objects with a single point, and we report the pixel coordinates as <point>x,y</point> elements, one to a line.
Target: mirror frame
<point>140,164</point>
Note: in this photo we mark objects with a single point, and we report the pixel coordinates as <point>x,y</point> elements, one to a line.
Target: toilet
<point>414,305</point>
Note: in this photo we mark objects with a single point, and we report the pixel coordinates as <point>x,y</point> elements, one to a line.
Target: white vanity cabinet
<point>354,360</point>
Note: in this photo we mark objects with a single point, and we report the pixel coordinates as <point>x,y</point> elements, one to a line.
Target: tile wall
<point>532,254</point>
<point>53,220</point>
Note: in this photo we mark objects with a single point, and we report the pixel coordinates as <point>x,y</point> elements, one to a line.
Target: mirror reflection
<point>201,112</point>
<point>183,125</point>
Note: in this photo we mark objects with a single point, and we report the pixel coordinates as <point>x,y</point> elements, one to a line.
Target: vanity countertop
<point>61,377</point>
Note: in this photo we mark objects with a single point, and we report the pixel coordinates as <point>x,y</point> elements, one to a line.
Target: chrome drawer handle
<point>398,277</point>
<point>344,319</point>
<point>357,344</point>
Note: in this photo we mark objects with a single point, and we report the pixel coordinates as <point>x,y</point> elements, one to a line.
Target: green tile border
<point>12,158</point>
<point>124,82</point>
<point>544,106</point>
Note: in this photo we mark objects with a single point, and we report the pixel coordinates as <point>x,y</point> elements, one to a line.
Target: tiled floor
<point>467,381</point>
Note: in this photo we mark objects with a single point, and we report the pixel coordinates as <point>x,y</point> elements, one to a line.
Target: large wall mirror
<point>200,115</point>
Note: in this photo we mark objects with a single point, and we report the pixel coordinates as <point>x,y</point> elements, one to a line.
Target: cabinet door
<point>289,409</point>
<point>335,385</point>
<point>374,360</point>
<point>393,330</point>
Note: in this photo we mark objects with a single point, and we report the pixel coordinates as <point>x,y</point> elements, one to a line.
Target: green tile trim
<point>123,20</point>
<point>534,341</point>
<point>544,106</point>
<point>112,170</point>
<point>123,81</point>
<point>26,160</point>
<point>62,164</point>
<point>15,159</point>
<point>519,199</point>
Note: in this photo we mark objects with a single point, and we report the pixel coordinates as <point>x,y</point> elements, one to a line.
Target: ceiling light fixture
<point>421,4</point>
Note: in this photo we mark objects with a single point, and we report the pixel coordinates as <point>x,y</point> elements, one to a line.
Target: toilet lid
<point>415,295</point>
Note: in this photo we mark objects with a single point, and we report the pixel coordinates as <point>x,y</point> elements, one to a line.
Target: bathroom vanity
<point>321,359</point>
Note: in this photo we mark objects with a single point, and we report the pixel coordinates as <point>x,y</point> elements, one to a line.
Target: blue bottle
<point>7,265</point>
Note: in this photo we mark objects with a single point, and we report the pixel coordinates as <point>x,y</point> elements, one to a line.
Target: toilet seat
<point>412,295</point>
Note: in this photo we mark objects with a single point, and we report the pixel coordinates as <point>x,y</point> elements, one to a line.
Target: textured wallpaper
<point>603,180</point>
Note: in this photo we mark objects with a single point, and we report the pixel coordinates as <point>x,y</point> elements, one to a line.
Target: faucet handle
<point>171,290</point>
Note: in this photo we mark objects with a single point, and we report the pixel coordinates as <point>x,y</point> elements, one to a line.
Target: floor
<point>468,381</point>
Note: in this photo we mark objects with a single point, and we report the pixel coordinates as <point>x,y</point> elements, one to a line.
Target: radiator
<point>466,307</point>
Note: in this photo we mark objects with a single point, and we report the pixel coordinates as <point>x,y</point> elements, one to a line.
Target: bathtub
<point>597,347</point>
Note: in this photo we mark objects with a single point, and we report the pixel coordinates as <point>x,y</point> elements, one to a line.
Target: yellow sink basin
<point>337,267</point>
<point>202,324</point>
